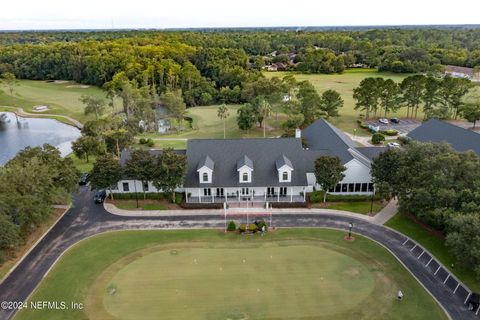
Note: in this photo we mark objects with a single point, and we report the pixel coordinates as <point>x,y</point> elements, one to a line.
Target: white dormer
<point>284,168</point>
<point>205,170</point>
<point>245,169</point>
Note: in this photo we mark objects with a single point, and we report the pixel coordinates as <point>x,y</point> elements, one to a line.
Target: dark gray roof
<point>244,161</point>
<point>207,162</point>
<point>322,135</point>
<point>283,161</point>
<point>440,131</point>
<point>262,152</point>
<point>371,152</point>
<point>125,154</point>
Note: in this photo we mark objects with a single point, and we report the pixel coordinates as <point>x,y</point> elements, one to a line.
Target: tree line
<point>441,98</point>
<point>440,187</point>
<point>30,184</point>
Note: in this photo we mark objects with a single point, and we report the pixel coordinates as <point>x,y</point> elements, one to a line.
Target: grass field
<point>344,83</point>
<point>206,274</point>
<point>434,244</point>
<point>61,97</point>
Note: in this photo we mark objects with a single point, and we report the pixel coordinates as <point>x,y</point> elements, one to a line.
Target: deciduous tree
<point>328,173</point>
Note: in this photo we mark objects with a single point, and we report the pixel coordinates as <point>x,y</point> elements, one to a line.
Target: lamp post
<point>350,226</point>
<point>354,133</point>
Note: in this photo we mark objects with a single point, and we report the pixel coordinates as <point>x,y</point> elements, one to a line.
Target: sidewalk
<point>386,213</point>
<point>220,212</point>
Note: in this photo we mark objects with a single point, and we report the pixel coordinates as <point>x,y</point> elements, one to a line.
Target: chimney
<point>298,133</point>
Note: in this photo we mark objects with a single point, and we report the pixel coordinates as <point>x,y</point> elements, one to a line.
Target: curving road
<point>86,219</point>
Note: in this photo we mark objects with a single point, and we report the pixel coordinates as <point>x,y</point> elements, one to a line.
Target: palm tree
<point>265,111</point>
<point>223,114</point>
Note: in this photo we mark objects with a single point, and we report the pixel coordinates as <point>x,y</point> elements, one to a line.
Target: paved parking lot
<point>404,127</point>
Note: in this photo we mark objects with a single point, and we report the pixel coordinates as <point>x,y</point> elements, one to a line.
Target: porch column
<point>304,194</point>
<point>278,194</point>
<point>225,195</point>
<point>199,196</point>
<point>186,196</point>
<point>291,194</point>
<point>239,195</point>
<point>213,197</point>
<point>265,194</point>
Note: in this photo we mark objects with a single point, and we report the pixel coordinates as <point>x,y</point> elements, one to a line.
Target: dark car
<point>395,120</point>
<point>84,178</point>
<point>100,196</point>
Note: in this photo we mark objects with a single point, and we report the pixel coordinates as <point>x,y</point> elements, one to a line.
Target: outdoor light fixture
<point>350,226</point>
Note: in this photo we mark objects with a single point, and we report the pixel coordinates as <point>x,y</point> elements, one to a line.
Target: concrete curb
<point>112,209</point>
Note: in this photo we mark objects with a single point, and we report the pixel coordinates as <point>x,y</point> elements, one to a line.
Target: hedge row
<point>186,205</point>
<point>149,196</point>
<point>317,197</point>
<point>280,205</point>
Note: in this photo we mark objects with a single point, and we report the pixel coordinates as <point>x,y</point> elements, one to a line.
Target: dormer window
<point>245,177</point>
<point>245,169</point>
<point>205,177</point>
<point>205,170</point>
<point>285,168</point>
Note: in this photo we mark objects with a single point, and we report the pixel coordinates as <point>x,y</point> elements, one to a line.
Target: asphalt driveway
<point>86,219</point>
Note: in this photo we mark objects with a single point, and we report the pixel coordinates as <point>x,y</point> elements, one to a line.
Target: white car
<point>393,145</point>
<point>383,120</point>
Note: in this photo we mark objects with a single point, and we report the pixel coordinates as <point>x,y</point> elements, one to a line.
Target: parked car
<point>383,120</point>
<point>393,145</point>
<point>395,120</point>
<point>84,178</point>
<point>100,196</point>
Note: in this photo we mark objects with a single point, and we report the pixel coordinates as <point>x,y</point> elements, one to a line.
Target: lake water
<point>16,135</point>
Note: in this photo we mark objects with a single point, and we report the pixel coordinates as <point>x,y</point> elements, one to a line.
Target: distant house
<point>462,72</point>
<point>278,66</point>
<point>163,125</point>
<point>438,131</point>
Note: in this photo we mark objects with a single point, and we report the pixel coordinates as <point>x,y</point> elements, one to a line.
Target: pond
<point>18,133</point>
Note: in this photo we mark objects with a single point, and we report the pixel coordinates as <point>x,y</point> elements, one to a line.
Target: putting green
<point>275,280</point>
<point>207,274</point>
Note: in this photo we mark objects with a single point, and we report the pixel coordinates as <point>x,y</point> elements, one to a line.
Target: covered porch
<point>245,195</point>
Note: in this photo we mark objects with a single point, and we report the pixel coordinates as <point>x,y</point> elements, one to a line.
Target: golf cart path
<point>22,113</point>
<point>85,219</point>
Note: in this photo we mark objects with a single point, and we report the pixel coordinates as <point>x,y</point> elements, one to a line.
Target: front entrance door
<point>245,191</point>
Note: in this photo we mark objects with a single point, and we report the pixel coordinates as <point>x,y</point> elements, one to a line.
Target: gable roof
<point>438,131</point>
<point>371,152</point>
<point>261,152</point>
<point>322,135</point>
<point>207,162</point>
<point>244,161</point>
<point>282,161</point>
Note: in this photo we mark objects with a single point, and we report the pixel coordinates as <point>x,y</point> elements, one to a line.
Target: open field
<point>344,84</point>
<point>436,245</point>
<point>206,274</point>
<point>61,97</point>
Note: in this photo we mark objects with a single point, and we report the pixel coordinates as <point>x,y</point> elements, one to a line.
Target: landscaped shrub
<point>289,205</point>
<point>390,132</point>
<point>185,205</point>
<point>142,141</point>
<point>262,223</point>
<point>231,226</point>
<point>150,143</point>
<point>404,139</point>
<point>242,228</point>
<point>252,227</point>
<point>149,196</point>
<point>317,197</point>
<point>378,138</point>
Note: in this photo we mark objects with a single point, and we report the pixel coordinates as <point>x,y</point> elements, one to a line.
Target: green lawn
<point>435,245</point>
<point>206,274</point>
<point>344,83</point>
<point>132,205</point>
<point>362,207</point>
<point>81,164</point>
<point>61,97</point>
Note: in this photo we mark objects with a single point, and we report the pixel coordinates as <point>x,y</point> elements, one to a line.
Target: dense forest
<point>202,63</point>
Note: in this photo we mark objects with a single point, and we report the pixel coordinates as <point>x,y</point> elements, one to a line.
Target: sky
<point>107,14</point>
